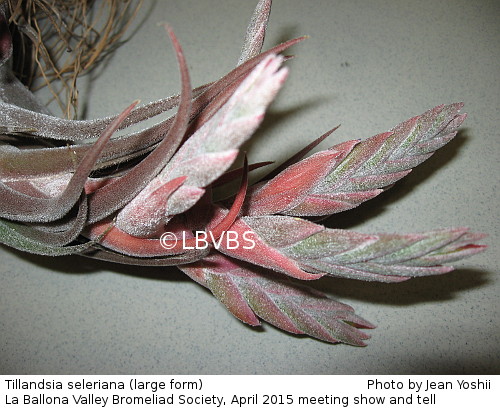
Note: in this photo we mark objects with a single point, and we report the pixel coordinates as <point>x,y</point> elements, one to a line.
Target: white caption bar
<point>247,392</point>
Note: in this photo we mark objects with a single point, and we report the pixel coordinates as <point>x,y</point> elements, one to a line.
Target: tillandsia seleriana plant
<point>146,197</point>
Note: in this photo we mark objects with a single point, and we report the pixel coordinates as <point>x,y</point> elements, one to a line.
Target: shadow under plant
<point>152,203</point>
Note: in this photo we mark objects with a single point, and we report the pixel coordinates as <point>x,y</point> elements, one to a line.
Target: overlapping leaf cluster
<point>75,187</point>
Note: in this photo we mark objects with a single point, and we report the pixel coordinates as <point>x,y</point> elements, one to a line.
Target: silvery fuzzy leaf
<point>249,292</point>
<point>19,237</point>
<point>292,186</point>
<point>256,31</point>
<point>214,144</point>
<point>98,252</point>
<point>375,164</point>
<point>17,205</point>
<point>342,253</point>
<point>122,190</point>
<point>145,218</point>
<point>234,123</point>
<point>128,213</point>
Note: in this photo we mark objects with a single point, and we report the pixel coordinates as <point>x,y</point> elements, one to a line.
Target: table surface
<point>367,65</point>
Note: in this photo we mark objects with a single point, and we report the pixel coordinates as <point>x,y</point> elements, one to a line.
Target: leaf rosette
<point>85,190</point>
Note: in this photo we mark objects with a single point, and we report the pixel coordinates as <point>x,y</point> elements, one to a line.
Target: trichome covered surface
<point>145,197</point>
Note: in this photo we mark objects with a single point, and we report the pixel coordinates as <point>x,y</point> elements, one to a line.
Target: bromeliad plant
<point>72,187</point>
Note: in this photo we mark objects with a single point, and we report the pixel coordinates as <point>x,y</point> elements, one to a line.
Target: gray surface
<point>367,65</point>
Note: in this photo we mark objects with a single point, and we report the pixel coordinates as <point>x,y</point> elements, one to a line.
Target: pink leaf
<point>249,291</point>
<point>292,185</point>
<point>375,164</point>
<point>146,217</point>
